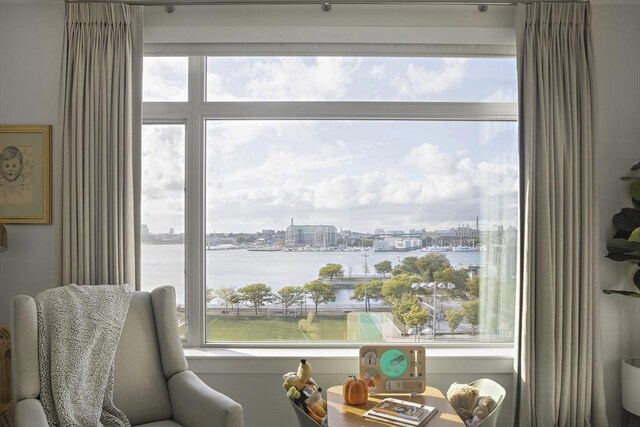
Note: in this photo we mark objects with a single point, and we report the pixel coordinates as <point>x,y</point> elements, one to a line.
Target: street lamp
<point>366,270</point>
<point>435,286</point>
<point>415,287</point>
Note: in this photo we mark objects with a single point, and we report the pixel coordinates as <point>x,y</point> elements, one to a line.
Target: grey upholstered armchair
<point>152,384</point>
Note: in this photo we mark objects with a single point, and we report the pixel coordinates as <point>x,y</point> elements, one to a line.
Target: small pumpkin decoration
<point>355,391</point>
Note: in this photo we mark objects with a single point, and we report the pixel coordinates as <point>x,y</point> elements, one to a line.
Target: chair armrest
<point>30,413</point>
<point>195,404</point>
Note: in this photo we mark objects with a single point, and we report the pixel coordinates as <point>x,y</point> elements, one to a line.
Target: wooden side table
<point>343,415</point>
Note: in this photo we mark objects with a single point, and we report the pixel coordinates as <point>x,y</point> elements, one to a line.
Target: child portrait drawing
<point>16,172</point>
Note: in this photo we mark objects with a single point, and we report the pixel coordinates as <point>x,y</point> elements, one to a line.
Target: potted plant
<point>625,247</point>
<point>625,244</point>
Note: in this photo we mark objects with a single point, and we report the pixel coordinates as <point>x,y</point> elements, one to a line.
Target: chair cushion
<point>25,373</point>
<point>140,389</point>
<point>164,423</point>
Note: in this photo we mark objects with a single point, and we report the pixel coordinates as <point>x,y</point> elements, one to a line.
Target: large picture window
<point>335,200</point>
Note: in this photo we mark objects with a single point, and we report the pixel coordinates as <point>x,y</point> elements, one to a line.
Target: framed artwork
<point>25,174</point>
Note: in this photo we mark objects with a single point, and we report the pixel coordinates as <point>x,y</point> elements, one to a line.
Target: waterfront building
<point>315,236</point>
<point>462,235</point>
<point>396,244</point>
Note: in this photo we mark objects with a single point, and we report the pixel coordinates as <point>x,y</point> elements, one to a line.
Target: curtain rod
<point>326,5</point>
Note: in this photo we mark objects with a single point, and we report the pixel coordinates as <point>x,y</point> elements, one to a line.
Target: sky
<point>356,175</point>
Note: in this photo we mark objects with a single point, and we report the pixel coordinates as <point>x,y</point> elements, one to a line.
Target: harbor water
<point>164,265</point>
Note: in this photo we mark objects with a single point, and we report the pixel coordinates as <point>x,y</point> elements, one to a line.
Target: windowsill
<point>325,360</point>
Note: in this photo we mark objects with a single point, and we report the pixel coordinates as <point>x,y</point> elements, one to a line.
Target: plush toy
<point>301,379</point>
<point>316,403</point>
<point>304,391</point>
<point>485,406</point>
<point>463,398</point>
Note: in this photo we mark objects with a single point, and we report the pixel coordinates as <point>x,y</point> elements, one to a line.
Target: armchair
<point>153,386</point>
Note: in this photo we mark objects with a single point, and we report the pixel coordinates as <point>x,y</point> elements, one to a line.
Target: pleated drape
<point>559,364</point>
<point>101,109</point>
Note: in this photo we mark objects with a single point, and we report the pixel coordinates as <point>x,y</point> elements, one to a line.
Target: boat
<point>224,247</point>
<point>436,248</point>
<point>463,248</point>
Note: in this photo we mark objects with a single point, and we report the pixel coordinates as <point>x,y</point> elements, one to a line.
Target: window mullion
<point>467,111</point>
<point>194,199</point>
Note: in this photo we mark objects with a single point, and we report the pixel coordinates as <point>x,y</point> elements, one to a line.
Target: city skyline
<point>375,232</point>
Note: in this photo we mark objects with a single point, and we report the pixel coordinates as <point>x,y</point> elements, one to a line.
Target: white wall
<point>30,58</point>
<point>30,47</point>
<point>616,37</point>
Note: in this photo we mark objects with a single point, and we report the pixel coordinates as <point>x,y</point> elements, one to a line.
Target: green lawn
<point>355,326</point>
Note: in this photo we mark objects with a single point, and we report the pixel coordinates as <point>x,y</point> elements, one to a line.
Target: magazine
<point>401,411</point>
<point>388,421</point>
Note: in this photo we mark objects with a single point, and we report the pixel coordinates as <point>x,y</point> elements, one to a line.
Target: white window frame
<point>196,111</point>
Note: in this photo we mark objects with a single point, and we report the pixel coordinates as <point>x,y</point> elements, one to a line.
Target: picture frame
<point>25,174</point>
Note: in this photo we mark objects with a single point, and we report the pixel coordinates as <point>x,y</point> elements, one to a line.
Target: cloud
<point>224,137</point>
<point>165,79</point>
<point>283,179</point>
<point>295,78</point>
<point>429,159</point>
<point>428,185</point>
<point>163,174</point>
<point>378,72</point>
<point>501,94</point>
<point>422,81</point>
<point>281,164</point>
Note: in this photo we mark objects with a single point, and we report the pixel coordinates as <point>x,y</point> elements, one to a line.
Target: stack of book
<point>400,412</point>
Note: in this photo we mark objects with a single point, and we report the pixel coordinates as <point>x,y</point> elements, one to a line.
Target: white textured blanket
<point>78,332</point>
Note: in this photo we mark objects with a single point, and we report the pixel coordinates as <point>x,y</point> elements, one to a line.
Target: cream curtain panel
<point>559,363</point>
<point>101,109</point>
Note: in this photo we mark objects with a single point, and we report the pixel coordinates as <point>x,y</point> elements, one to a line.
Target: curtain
<point>559,363</point>
<point>101,112</point>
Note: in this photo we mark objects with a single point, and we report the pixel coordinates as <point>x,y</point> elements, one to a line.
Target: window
<point>334,200</point>
<point>163,210</point>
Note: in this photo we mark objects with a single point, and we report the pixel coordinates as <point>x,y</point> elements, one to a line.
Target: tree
<point>288,296</point>
<point>383,267</point>
<point>457,276</point>
<point>430,263</point>
<point>374,292</point>
<point>416,317</point>
<point>402,306</point>
<point>397,286</point>
<point>454,318</point>
<point>320,293</point>
<point>473,286</point>
<point>209,295</point>
<point>225,295</point>
<point>331,271</point>
<point>235,299</point>
<point>407,266</point>
<point>255,295</point>
<point>470,311</point>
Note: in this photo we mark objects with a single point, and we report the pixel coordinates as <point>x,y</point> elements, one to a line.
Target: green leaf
<point>622,246</point>
<point>636,279</point>
<point>634,190</point>
<point>627,219</point>
<point>626,293</point>
<point>629,178</point>
<point>635,235</point>
<point>623,257</point>
<point>620,234</point>
<point>635,167</point>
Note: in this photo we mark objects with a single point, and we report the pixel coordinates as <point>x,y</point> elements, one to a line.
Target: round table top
<point>343,415</point>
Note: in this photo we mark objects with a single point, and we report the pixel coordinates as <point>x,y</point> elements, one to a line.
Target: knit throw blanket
<point>78,332</point>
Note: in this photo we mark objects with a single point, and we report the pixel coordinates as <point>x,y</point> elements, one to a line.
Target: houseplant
<point>625,244</point>
<point>623,247</point>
